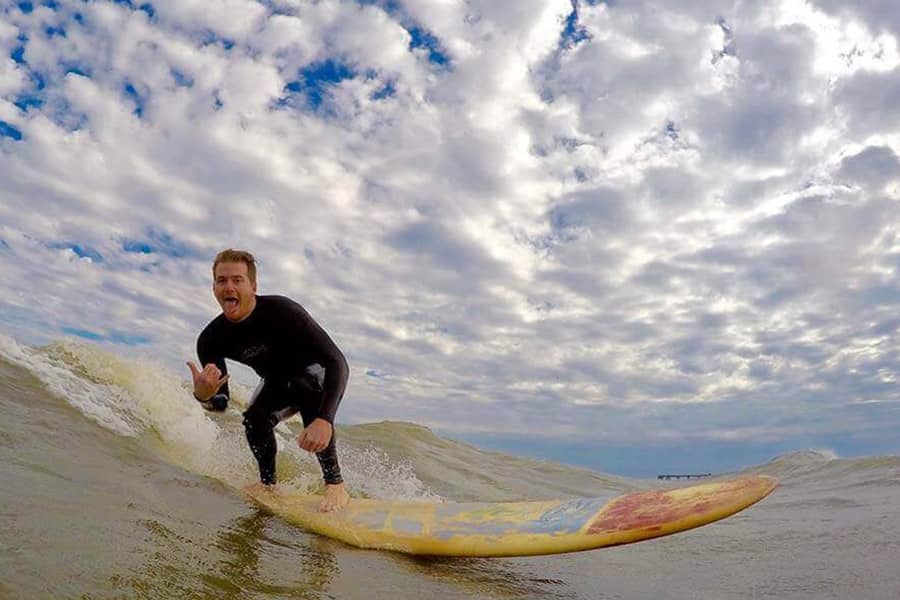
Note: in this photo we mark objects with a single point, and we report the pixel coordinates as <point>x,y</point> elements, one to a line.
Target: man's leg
<point>328,461</point>
<point>336,494</point>
<point>266,409</point>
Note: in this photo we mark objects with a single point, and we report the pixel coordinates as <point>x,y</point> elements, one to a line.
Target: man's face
<point>233,290</point>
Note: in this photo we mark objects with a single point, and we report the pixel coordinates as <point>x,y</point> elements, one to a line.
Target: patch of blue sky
<point>147,8</point>
<point>144,7</point>
<point>278,8</point>
<point>4,245</point>
<point>31,98</point>
<point>134,96</point>
<point>573,33</point>
<point>314,81</point>
<point>51,4</point>
<point>159,242</point>
<point>388,88</point>
<point>136,247</point>
<point>391,7</point>
<point>116,337</point>
<point>209,38</point>
<point>18,53</point>
<point>425,40</point>
<point>26,7</point>
<point>672,130</point>
<point>83,333</point>
<point>421,38</point>
<point>54,30</point>
<point>59,110</point>
<point>182,79</point>
<point>80,250</point>
<point>8,131</point>
<point>28,101</point>
<point>386,91</point>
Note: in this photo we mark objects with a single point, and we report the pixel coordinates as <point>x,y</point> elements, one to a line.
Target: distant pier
<point>684,476</point>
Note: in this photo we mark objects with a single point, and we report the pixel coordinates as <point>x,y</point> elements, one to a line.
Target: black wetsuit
<point>302,370</point>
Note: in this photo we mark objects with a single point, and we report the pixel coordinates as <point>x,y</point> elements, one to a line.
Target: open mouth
<point>231,303</point>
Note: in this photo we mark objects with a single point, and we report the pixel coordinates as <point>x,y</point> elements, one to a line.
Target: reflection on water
<point>244,560</point>
<point>487,578</point>
<point>311,567</point>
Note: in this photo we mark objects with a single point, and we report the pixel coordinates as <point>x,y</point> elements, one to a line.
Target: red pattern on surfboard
<point>650,511</point>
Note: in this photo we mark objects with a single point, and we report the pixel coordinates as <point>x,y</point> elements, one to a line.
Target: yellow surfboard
<point>518,528</point>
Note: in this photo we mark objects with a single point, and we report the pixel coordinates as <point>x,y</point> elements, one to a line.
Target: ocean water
<point>113,484</point>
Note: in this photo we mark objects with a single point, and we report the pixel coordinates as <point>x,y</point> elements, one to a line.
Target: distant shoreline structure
<point>684,476</point>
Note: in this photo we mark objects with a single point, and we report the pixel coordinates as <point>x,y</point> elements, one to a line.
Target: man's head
<point>234,283</point>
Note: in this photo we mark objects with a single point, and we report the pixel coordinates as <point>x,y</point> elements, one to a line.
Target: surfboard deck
<point>518,528</point>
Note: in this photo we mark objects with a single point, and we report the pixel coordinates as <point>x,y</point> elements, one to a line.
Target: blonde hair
<point>232,256</point>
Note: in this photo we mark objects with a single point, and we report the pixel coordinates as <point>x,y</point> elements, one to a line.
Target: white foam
<point>105,404</point>
<point>371,472</point>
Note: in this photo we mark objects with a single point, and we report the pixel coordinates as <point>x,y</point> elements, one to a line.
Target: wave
<point>139,399</point>
<point>826,465</point>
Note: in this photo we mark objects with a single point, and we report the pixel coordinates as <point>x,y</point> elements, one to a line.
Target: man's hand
<point>206,382</point>
<point>315,438</point>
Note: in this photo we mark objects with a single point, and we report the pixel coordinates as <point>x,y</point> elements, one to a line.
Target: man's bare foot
<point>258,488</point>
<point>336,497</point>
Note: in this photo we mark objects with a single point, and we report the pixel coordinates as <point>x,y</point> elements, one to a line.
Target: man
<point>288,350</point>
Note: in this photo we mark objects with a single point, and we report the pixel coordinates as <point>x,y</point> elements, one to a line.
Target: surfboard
<point>518,528</point>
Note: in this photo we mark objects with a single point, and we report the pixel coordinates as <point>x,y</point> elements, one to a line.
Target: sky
<point>634,235</point>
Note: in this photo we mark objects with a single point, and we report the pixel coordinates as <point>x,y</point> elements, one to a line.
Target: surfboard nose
<point>643,515</point>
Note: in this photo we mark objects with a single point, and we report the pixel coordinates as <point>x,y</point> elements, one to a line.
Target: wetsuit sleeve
<point>327,354</point>
<point>206,354</point>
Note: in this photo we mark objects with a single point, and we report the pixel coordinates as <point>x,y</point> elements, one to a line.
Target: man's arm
<point>210,384</point>
<point>337,371</point>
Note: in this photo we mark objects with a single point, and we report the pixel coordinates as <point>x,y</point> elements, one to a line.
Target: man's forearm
<point>336,375</point>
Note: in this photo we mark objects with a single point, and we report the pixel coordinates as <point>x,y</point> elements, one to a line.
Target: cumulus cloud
<point>643,220</point>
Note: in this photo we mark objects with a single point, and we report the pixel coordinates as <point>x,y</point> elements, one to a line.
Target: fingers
<point>208,381</point>
<point>210,373</point>
<point>221,382</point>
<point>311,443</point>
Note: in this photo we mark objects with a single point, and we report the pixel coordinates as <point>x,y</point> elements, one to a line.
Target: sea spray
<point>104,403</point>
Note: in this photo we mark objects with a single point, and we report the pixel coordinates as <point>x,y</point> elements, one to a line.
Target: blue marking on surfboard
<point>375,519</point>
<point>565,518</point>
<point>407,526</point>
<point>568,517</point>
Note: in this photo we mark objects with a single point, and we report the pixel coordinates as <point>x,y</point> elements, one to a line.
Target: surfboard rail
<point>493,529</point>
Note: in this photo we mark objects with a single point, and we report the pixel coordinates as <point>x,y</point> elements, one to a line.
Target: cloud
<point>876,14</point>
<point>666,220</point>
<point>869,101</point>
<point>874,166</point>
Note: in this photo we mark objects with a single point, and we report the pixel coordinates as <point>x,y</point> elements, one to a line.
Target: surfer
<point>302,370</point>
